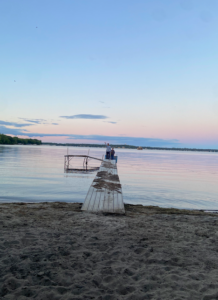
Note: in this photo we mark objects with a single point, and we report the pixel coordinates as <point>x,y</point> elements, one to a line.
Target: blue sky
<point>148,67</point>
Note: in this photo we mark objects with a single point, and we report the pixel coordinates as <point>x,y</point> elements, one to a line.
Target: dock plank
<point>97,200</point>
<point>115,201</point>
<point>101,202</point>
<point>120,205</point>
<point>92,199</point>
<point>105,207</point>
<point>87,199</point>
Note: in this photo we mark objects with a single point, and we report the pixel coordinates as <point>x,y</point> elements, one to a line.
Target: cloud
<point>14,124</point>
<point>101,101</point>
<point>35,121</point>
<point>111,122</point>
<point>12,131</point>
<point>118,140</point>
<point>136,141</point>
<point>38,121</point>
<point>85,116</point>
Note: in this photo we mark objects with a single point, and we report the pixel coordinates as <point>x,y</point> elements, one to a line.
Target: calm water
<point>163,178</point>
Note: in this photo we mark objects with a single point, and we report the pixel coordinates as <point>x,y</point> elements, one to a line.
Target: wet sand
<point>52,251</point>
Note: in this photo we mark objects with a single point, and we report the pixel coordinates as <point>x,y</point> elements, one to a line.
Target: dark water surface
<point>163,178</point>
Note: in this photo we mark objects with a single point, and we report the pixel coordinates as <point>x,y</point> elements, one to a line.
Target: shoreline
<point>116,146</point>
<point>53,250</point>
<point>131,207</point>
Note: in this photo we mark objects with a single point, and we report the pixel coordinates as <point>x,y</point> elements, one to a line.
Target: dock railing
<point>68,163</point>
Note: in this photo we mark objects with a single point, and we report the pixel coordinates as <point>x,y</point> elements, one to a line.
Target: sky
<point>140,72</point>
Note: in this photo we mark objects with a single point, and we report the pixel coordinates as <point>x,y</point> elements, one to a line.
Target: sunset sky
<point>138,72</point>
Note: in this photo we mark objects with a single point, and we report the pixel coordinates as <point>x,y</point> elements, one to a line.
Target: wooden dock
<point>105,192</point>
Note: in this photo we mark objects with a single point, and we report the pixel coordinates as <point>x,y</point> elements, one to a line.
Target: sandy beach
<point>52,251</point>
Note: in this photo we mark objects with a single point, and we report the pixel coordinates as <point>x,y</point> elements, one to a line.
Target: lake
<point>149,177</point>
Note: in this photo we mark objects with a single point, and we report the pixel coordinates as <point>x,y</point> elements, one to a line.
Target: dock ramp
<point>105,193</point>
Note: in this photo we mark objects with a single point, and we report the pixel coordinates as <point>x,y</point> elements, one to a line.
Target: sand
<point>55,251</point>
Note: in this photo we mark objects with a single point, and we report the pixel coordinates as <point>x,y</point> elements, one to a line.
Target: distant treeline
<point>91,145</point>
<point>8,140</point>
<point>182,149</point>
<point>130,147</point>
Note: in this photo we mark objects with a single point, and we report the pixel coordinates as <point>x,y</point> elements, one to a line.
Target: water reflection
<point>164,178</point>
<point>175,179</point>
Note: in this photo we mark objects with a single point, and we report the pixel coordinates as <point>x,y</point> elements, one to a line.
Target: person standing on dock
<point>112,153</point>
<point>108,151</point>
